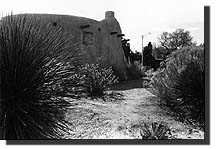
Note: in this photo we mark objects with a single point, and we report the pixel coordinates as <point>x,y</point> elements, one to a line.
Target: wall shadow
<point>126,85</point>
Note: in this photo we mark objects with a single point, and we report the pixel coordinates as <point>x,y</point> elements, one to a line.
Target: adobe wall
<point>111,50</point>
<point>99,39</point>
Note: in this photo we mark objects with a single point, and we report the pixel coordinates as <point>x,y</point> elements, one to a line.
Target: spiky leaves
<point>157,131</point>
<point>35,59</point>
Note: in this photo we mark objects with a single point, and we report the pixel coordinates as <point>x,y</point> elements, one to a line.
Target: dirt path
<point>122,118</point>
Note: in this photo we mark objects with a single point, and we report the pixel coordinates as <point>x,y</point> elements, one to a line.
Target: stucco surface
<point>104,42</point>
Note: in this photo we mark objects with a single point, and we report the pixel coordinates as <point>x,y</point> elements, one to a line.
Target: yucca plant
<point>190,90</point>
<point>95,79</point>
<point>36,58</point>
<point>157,131</point>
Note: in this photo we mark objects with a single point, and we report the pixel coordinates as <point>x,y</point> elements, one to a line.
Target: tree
<point>176,40</point>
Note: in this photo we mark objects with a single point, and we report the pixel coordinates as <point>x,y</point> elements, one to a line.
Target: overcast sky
<point>136,17</point>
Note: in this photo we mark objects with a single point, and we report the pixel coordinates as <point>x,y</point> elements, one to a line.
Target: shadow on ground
<point>109,96</point>
<point>127,85</point>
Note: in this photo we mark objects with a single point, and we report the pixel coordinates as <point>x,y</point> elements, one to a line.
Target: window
<point>88,38</point>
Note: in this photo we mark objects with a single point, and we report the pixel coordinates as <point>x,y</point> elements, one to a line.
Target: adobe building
<point>99,39</point>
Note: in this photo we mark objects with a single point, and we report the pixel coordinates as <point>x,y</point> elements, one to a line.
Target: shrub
<point>95,79</point>
<point>34,62</point>
<point>181,84</point>
<point>135,71</point>
<point>149,74</point>
<point>191,92</point>
<point>157,131</point>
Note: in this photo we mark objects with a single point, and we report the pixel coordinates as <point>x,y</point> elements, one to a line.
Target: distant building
<point>159,53</point>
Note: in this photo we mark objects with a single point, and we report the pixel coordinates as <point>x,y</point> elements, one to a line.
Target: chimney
<point>109,14</point>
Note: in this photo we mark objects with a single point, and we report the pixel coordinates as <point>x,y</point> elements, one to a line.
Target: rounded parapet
<point>109,14</point>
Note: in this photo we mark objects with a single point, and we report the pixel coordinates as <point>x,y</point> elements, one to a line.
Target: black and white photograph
<point>121,71</point>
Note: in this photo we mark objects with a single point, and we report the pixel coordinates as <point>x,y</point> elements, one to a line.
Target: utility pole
<point>142,45</point>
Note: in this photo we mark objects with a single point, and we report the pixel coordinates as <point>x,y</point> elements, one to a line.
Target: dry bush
<point>95,79</point>
<point>181,84</point>
<point>135,71</point>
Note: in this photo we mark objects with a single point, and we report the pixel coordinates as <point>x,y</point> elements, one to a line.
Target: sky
<point>136,17</point>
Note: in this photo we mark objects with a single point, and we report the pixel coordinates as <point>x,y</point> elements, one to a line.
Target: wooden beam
<point>112,33</point>
<point>120,35</point>
<point>84,26</point>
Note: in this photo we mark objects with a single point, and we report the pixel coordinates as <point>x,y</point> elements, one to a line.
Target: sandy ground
<point>120,117</point>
